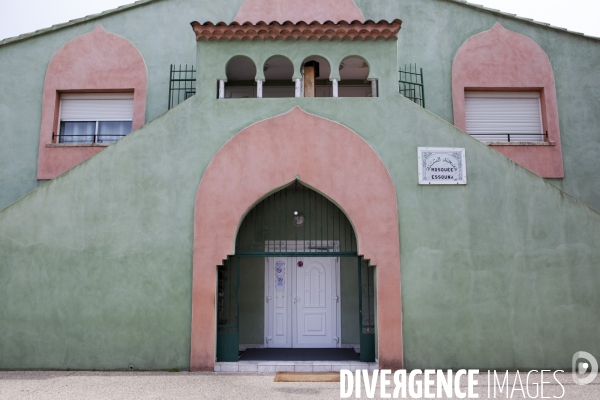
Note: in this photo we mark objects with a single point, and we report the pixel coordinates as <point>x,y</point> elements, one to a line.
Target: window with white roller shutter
<point>95,117</point>
<point>504,116</point>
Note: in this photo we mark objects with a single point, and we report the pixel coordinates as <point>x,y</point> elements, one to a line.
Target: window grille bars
<point>95,138</point>
<point>411,84</point>
<point>294,221</point>
<point>482,136</point>
<point>182,84</point>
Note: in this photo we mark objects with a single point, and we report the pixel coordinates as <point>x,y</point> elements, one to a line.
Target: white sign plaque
<point>442,166</point>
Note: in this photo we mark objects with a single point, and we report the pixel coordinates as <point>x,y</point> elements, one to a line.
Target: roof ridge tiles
<point>353,30</point>
<point>311,23</point>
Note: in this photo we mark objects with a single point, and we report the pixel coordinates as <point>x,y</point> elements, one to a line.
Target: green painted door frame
<point>366,309</point>
<point>228,310</point>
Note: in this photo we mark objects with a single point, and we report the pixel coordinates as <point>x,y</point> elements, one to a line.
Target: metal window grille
<point>296,220</point>
<point>98,134</point>
<point>411,84</point>
<point>182,84</point>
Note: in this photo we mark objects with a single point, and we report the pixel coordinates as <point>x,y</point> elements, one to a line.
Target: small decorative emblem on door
<point>300,263</point>
<point>279,283</point>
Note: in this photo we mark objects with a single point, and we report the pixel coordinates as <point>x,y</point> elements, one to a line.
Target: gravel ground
<point>191,385</point>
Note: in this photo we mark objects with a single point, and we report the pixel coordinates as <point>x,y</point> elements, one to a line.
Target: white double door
<point>302,303</point>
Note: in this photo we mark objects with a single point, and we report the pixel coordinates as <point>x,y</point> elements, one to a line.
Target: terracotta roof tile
<point>355,30</point>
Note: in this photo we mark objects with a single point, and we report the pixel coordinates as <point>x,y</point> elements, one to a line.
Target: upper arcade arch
<point>241,74</point>
<point>278,73</point>
<point>355,73</point>
<point>281,76</point>
<point>354,67</point>
<point>316,71</point>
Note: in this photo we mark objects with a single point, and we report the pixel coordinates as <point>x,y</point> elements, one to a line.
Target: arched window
<point>278,71</point>
<point>504,94</point>
<point>241,75</point>
<point>354,72</point>
<point>94,94</point>
<point>316,71</point>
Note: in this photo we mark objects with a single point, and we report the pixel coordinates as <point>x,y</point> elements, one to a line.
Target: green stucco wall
<point>95,266</point>
<point>432,32</point>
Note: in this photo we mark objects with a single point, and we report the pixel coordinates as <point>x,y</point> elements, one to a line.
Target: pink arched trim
<point>268,155</point>
<point>297,11</point>
<point>95,62</point>
<point>502,60</point>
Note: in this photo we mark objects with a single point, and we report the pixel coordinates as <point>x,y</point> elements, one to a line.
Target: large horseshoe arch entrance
<point>265,158</point>
<point>296,282</point>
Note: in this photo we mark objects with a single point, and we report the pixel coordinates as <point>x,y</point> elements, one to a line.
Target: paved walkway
<point>186,385</point>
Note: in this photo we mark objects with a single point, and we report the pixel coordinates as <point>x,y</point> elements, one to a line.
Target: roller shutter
<point>504,116</point>
<point>96,107</point>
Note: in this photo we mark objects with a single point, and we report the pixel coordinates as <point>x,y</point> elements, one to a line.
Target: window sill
<point>78,145</point>
<point>520,143</point>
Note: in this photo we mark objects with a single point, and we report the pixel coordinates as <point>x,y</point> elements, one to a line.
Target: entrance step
<point>293,366</point>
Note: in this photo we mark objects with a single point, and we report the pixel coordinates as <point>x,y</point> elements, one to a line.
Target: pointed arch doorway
<point>315,293</point>
<point>265,157</point>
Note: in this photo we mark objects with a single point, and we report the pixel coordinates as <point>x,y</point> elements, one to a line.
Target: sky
<point>24,16</point>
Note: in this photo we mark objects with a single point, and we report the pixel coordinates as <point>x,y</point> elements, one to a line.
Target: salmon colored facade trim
<point>267,156</point>
<point>355,30</point>
<point>94,62</point>
<point>502,60</point>
<point>296,11</point>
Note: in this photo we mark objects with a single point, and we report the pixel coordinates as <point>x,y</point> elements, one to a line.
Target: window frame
<point>129,95</point>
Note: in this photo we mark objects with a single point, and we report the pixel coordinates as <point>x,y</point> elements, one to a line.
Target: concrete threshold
<point>292,366</point>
